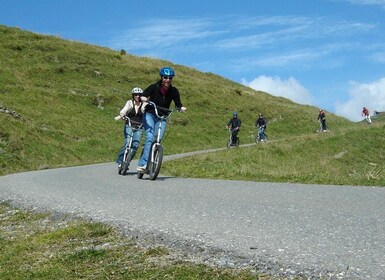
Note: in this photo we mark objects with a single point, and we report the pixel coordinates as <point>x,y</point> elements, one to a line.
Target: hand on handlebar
<point>181,109</point>
<point>124,118</point>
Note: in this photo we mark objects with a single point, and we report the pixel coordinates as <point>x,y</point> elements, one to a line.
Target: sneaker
<point>141,168</point>
<point>120,169</point>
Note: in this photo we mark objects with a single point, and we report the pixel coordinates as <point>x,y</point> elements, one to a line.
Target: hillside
<point>58,99</point>
<point>379,117</point>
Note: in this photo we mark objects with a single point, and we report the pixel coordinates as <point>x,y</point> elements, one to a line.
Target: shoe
<point>120,169</point>
<point>141,168</point>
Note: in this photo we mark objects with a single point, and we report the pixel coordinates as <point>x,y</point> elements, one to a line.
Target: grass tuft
<point>44,246</point>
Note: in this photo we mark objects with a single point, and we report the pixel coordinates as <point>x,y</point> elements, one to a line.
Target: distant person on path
<point>261,123</point>
<point>365,113</point>
<point>134,110</point>
<point>322,120</point>
<point>234,124</point>
<point>161,93</point>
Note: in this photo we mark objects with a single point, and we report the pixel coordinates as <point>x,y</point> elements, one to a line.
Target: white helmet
<point>136,91</point>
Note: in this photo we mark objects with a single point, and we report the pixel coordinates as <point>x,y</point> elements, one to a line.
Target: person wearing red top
<point>322,119</point>
<point>365,113</point>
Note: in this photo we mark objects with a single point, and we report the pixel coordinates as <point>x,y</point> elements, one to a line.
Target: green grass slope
<point>58,99</point>
<point>378,118</point>
<point>351,157</point>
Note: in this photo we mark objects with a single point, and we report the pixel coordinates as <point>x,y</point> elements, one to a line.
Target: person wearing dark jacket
<point>234,124</point>
<point>322,119</point>
<point>261,123</point>
<point>162,93</point>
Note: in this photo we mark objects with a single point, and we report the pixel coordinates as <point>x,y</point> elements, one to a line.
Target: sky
<point>325,53</point>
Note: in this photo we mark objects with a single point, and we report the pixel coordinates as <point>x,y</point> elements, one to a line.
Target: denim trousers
<point>151,125</point>
<point>261,133</point>
<point>136,135</point>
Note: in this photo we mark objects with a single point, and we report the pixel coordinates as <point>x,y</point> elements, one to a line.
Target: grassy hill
<point>58,99</point>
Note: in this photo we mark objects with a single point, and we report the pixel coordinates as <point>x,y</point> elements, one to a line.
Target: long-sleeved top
<point>135,116</point>
<point>321,116</point>
<point>234,123</point>
<point>261,122</point>
<point>154,93</point>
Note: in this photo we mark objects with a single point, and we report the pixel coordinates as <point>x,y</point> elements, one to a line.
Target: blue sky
<point>326,53</point>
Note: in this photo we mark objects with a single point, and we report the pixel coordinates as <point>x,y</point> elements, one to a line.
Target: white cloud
<point>371,95</point>
<point>163,34</point>
<point>289,88</point>
<point>297,57</point>
<point>378,57</point>
<point>228,33</point>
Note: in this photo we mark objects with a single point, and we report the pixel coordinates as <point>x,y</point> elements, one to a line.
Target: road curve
<point>337,232</point>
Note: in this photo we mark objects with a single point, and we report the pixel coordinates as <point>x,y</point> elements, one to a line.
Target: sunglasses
<point>167,78</point>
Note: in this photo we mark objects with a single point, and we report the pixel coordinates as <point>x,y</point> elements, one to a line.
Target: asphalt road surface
<point>337,232</point>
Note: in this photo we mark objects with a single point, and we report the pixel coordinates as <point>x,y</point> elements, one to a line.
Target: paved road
<point>287,229</point>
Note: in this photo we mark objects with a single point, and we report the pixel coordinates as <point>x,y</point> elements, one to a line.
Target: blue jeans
<point>136,135</point>
<point>261,133</point>
<point>151,126</point>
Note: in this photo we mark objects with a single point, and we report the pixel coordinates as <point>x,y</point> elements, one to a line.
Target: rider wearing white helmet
<point>133,109</point>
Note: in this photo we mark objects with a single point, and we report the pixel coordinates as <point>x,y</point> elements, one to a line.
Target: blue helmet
<point>235,114</point>
<point>167,71</point>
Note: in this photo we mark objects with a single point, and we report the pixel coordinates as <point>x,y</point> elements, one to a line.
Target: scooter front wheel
<point>156,162</point>
<point>126,162</point>
<point>228,143</point>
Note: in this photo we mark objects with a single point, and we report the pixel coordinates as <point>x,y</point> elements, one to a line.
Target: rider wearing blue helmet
<point>166,71</point>
<point>162,93</point>
<point>234,124</point>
